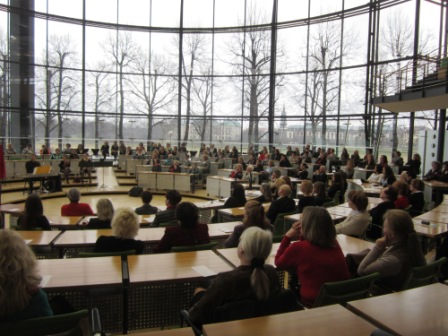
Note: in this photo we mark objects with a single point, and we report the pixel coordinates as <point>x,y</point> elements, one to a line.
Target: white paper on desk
<point>15,209</point>
<point>45,280</point>
<point>149,219</point>
<point>28,241</point>
<point>204,270</point>
<point>226,230</point>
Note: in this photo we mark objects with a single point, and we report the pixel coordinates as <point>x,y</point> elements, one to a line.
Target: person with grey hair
<point>74,208</point>
<point>125,225</point>
<point>284,203</point>
<point>252,279</point>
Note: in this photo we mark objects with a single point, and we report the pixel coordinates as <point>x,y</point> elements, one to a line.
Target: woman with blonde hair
<point>253,279</point>
<point>266,194</point>
<point>20,295</point>
<point>253,216</point>
<point>316,257</point>
<point>125,225</point>
<point>105,212</point>
<point>396,252</point>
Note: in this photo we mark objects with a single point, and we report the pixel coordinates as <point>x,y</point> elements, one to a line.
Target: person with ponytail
<point>253,216</point>
<point>253,279</point>
<point>396,252</point>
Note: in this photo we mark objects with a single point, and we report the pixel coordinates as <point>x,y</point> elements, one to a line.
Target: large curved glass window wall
<point>285,72</point>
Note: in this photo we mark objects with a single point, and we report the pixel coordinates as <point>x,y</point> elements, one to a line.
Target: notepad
<point>45,280</point>
<point>204,270</point>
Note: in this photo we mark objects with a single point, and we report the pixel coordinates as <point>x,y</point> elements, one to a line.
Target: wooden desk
<point>231,255</point>
<point>64,222</point>
<point>373,202</point>
<point>296,217</point>
<point>441,208</point>
<point>350,244</point>
<point>339,210</point>
<point>81,272</point>
<point>39,238</point>
<point>434,216</point>
<point>330,320</point>
<point>430,188</point>
<point>220,186</point>
<point>419,311</point>
<point>433,230</point>
<point>187,331</point>
<point>163,284</point>
<point>232,214</point>
<point>361,173</point>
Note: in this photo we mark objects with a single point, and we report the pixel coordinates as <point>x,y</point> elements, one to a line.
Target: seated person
<point>64,168</point>
<point>388,176</point>
<point>237,172</point>
<point>397,160</point>
<point>284,162</point>
<point>172,199</point>
<point>125,225</point>
<point>175,168</point>
<point>402,201</point>
<point>320,194</point>
<point>238,198</point>
<point>56,155</point>
<point>146,208</point>
<point>10,150</point>
<point>139,155</point>
<point>306,187</point>
<point>388,196</point>
<point>320,175</point>
<point>302,172</point>
<point>266,194</point>
<point>377,174</point>
<point>417,198</point>
<point>28,150</point>
<point>29,166</point>
<point>33,217</point>
<point>248,174</point>
<point>21,296</point>
<point>253,279</point>
<point>284,203</point>
<point>337,185</point>
<point>253,216</point>
<point>396,252</point>
<point>358,219</point>
<point>444,175</point>
<point>350,169</point>
<point>316,257</point>
<point>85,167</point>
<point>276,181</point>
<point>45,150</point>
<point>156,167</point>
<point>74,208</point>
<point>105,213</point>
<point>170,160</point>
<point>434,173</point>
<point>189,232</point>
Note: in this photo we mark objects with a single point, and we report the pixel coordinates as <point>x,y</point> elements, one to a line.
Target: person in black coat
<point>284,203</point>
<point>125,225</point>
<point>105,213</point>
<point>146,208</point>
<point>388,196</point>
<point>417,197</point>
<point>321,175</point>
<point>33,217</point>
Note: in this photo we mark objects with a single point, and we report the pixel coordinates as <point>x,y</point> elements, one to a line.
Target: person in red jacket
<point>402,201</point>
<point>74,208</point>
<point>316,257</point>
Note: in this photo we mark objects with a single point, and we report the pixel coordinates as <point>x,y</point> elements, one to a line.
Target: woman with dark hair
<point>350,169</point>
<point>417,197</point>
<point>266,194</point>
<point>253,216</point>
<point>388,196</point>
<point>388,176</point>
<point>370,162</point>
<point>251,280</point>
<point>189,232</point>
<point>434,173</point>
<point>284,162</point>
<point>402,201</point>
<point>33,217</point>
<point>320,193</point>
<point>344,156</point>
<point>414,164</point>
<point>337,185</point>
<point>396,252</point>
<point>238,198</point>
<point>316,257</point>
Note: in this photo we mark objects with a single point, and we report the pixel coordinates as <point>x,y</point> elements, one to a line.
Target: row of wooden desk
<point>160,284</point>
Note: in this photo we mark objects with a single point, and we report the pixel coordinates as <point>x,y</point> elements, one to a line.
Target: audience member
<point>146,208</point>
<point>33,217</point>
<point>316,257</point>
<point>417,198</point>
<point>253,279</point>
<point>402,201</point>
<point>105,213</point>
<point>284,203</point>
<point>74,208</point>
<point>10,150</point>
<point>30,166</point>
<point>306,187</point>
<point>358,219</point>
<point>388,176</point>
<point>21,297</point>
<point>388,196</point>
<point>253,216</point>
<point>172,199</point>
<point>125,225</point>
<point>320,175</point>
<point>320,194</point>
<point>189,232</point>
<point>266,194</point>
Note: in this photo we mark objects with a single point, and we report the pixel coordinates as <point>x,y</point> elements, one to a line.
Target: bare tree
<point>155,90</point>
<point>203,90</point>
<point>101,99</point>
<point>60,85</point>
<point>193,50</point>
<point>252,57</point>
<point>124,52</point>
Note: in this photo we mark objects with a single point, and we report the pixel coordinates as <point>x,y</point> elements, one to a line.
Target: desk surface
<point>419,311</point>
<point>174,266</point>
<point>39,238</point>
<point>239,212</point>
<point>441,208</point>
<point>373,202</point>
<point>297,217</point>
<point>330,320</point>
<point>15,209</point>
<point>231,255</point>
<point>80,272</point>
<point>434,216</point>
<point>58,221</point>
<point>433,230</point>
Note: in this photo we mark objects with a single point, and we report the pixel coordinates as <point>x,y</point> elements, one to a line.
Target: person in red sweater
<point>74,208</point>
<point>317,256</point>
<point>402,202</point>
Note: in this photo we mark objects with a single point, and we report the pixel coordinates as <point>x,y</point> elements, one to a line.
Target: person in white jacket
<point>358,220</point>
